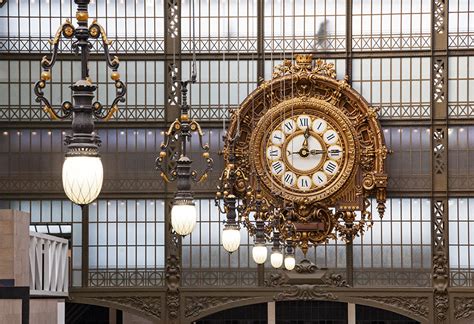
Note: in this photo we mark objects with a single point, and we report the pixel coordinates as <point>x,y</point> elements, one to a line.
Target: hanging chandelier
<point>177,166</point>
<point>304,154</point>
<point>82,173</point>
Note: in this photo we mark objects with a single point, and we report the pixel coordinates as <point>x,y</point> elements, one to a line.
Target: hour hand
<point>316,152</point>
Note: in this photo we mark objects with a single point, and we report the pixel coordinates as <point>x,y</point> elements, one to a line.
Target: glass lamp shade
<point>82,178</point>
<point>183,218</point>
<point>230,239</point>
<point>259,253</point>
<point>276,259</point>
<point>290,262</point>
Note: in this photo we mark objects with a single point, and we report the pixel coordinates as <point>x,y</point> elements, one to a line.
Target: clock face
<point>305,152</point>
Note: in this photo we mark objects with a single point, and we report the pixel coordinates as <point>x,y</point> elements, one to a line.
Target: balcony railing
<point>49,271</point>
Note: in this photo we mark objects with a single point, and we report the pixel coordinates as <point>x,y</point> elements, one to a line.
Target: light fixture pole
<point>82,172</point>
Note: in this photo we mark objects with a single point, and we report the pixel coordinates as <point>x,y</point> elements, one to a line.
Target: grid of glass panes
<point>144,80</point>
<point>31,160</point>
<point>461,158</point>
<point>400,87</point>
<point>461,242</point>
<point>221,85</point>
<point>461,24</point>
<point>391,24</point>
<point>400,243</point>
<point>409,166</point>
<point>126,234</point>
<point>461,86</point>
<point>219,26</point>
<point>304,25</point>
<point>134,25</point>
<point>203,248</point>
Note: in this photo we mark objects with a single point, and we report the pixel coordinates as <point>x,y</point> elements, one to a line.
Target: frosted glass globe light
<point>183,218</point>
<point>82,178</point>
<point>259,253</point>
<point>290,262</point>
<point>231,239</point>
<point>276,259</point>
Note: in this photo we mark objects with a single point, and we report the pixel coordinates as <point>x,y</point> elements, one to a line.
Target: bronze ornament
<point>315,214</point>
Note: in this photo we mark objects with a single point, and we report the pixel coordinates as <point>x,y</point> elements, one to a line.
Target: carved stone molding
<point>173,276</point>
<point>282,279</point>
<point>144,304</point>
<point>195,305</point>
<point>463,307</point>
<point>305,292</point>
<point>416,305</point>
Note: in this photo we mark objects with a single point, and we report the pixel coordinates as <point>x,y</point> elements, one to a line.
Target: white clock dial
<point>278,167</point>
<point>278,137</point>
<point>335,152</point>
<point>304,182</point>
<point>330,137</point>
<point>319,126</point>
<point>289,179</point>
<point>330,167</point>
<point>303,121</point>
<point>273,152</point>
<point>320,179</point>
<point>299,162</point>
<point>288,126</point>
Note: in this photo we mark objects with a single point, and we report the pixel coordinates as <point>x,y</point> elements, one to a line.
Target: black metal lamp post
<point>82,168</point>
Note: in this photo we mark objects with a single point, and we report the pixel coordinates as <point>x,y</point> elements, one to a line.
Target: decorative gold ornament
<point>82,15</point>
<point>314,148</point>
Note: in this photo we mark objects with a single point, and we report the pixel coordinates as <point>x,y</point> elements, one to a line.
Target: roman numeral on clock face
<point>330,167</point>
<point>289,178</point>
<point>304,182</point>
<point>330,137</point>
<point>289,126</point>
<point>278,167</point>
<point>303,121</point>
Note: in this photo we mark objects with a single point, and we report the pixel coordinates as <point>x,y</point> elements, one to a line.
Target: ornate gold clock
<point>308,146</point>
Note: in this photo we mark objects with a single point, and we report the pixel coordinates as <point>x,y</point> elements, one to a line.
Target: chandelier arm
<point>67,30</point>
<point>100,112</point>
<point>195,127</point>
<point>106,113</point>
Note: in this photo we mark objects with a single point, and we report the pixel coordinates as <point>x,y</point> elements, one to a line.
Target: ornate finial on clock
<point>304,59</point>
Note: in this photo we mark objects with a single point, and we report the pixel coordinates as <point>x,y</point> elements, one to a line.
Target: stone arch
<point>148,307</point>
<point>396,304</point>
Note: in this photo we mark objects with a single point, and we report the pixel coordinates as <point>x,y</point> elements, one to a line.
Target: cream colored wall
<point>46,311</point>
<point>14,246</point>
<point>10,311</point>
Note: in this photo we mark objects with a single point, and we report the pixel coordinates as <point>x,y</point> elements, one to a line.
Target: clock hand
<point>306,135</point>
<point>315,152</point>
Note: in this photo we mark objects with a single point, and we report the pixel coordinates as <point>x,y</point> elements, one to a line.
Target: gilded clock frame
<point>305,86</point>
